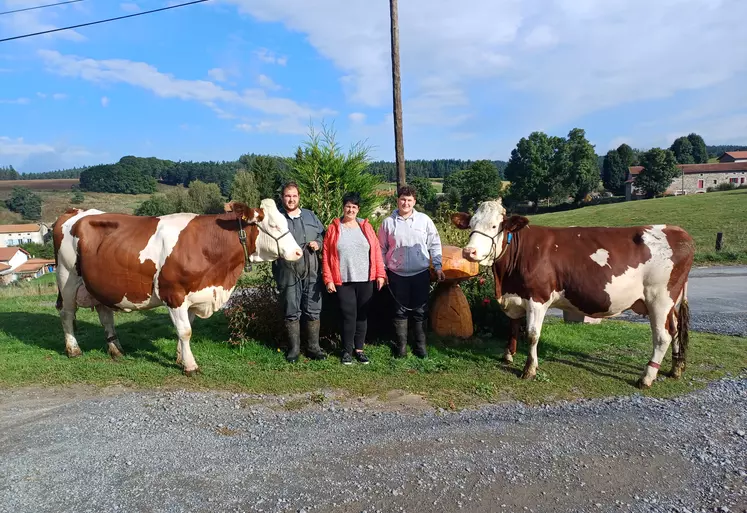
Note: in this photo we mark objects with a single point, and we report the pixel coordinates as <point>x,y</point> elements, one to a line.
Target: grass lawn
<point>575,361</point>
<point>702,215</point>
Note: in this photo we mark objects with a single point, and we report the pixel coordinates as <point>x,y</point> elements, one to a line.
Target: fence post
<point>719,240</point>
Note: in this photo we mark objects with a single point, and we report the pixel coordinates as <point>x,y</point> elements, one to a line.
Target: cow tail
<point>683,327</point>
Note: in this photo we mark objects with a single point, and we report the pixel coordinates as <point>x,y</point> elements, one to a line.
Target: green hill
<point>702,215</point>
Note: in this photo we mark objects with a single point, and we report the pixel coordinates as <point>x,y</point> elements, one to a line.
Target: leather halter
<point>494,243</point>
<point>242,239</point>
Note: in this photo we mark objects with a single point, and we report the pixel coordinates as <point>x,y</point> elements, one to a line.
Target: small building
<point>17,264</point>
<point>17,234</point>
<point>695,178</point>
<point>733,156</point>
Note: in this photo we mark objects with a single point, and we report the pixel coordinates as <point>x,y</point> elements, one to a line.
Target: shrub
<point>487,315</point>
<point>77,198</point>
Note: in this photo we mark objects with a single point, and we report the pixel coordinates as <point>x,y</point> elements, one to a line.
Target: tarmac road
<point>718,301</point>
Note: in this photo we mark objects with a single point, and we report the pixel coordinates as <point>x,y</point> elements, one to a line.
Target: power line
<point>40,7</point>
<point>102,21</point>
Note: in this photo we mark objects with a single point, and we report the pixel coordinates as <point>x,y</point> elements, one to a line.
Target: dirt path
<point>80,449</point>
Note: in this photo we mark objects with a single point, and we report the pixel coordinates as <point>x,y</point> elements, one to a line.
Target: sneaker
<point>347,359</point>
<point>361,357</point>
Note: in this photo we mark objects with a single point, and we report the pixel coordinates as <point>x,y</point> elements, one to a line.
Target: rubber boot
<point>419,335</point>
<point>400,343</point>
<point>293,331</point>
<point>313,350</point>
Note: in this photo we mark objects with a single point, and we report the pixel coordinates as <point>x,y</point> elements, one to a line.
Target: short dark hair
<point>288,185</point>
<point>351,197</point>
<point>407,190</point>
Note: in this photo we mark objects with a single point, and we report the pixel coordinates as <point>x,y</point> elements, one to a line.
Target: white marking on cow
<point>601,256</point>
<point>207,301</point>
<point>162,242</point>
<point>127,306</point>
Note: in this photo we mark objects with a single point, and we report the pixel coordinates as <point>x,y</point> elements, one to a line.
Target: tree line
<point>437,168</point>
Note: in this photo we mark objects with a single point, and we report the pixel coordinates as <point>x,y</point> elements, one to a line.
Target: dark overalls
<point>300,282</point>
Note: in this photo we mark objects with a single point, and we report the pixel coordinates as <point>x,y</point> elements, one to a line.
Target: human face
<point>405,205</point>
<point>290,199</point>
<point>349,212</point>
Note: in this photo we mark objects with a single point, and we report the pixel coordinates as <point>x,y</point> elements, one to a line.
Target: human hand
<point>331,287</point>
<point>441,275</point>
<point>380,283</point>
<point>314,245</point>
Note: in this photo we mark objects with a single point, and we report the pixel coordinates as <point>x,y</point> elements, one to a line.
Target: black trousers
<point>410,292</point>
<point>355,299</point>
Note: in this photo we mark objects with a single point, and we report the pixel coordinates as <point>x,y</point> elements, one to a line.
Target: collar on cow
<point>494,243</point>
<point>242,239</point>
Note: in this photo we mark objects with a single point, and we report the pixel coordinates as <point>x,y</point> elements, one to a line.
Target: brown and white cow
<point>596,271</point>
<point>190,263</point>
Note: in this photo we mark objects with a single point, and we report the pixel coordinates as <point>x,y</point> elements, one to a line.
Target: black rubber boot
<point>313,350</point>
<point>399,350</point>
<point>293,332</point>
<point>419,335</point>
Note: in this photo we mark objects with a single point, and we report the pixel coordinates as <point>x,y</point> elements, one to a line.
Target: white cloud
<point>267,83</point>
<point>39,20</point>
<point>35,157</point>
<point>104,101</point>
<point>571,57</point>
<point>41,95</point>
<point>357,117</point>
<point>17,101</point>
<point>218,74</point>
<point>130,7</point>
<point>145,76</point>
<point>59,96</point>
<point>270,57</point>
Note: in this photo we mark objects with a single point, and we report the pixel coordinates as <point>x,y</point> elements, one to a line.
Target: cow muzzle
<point>469,254</point>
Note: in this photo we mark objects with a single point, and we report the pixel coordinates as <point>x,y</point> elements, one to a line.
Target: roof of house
<point>735,154</point>
<point>19,228</point>
<point>4,267</point>
<point>7,253</point>
<point>33,265</point>
<point>691,169</point>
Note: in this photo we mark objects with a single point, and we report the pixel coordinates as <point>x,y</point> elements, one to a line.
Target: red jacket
<point>331,259</point>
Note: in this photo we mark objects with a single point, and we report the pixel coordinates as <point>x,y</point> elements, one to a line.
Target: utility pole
<point>399,148</point>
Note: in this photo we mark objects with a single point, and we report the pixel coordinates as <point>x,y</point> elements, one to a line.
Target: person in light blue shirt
<point>410,243</point>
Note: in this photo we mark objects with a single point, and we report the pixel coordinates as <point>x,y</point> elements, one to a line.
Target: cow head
<point>275,239</point>
<point>488,226</point>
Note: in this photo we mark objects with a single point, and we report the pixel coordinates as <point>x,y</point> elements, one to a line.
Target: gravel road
<point>718,301</point>
<point>78,449</point>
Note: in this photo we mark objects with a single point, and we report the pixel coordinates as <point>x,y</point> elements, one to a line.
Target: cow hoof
<point>528,375</point>
<point>115,353</point>
<point>642,384</point>
<point>193,372</point>
<point>74,353</point>
<point>507,358</point>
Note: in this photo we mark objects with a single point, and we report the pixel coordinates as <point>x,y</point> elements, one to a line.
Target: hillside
<point>702,215</point>
<point>54,202</point>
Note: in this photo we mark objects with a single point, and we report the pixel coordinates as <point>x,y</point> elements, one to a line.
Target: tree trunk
<point>397,97</point>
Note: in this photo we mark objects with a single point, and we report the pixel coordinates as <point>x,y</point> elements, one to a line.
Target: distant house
<point>695,178</point>
<point>17,264</point>
<point>733,156</point>
<point>17,234</point>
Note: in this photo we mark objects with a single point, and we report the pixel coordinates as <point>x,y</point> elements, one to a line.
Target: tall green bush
<point>324,173</point>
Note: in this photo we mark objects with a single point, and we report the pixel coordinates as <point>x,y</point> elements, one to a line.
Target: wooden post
<point>719,240</point>
<point>399,149</point>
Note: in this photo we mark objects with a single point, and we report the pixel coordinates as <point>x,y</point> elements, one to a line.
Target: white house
<point>733,156</point>
<point>10,260</point>
<point>17,234</point>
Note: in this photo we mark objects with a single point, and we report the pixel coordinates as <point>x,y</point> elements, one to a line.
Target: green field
<point>702,215</point>
<point>576,361</point>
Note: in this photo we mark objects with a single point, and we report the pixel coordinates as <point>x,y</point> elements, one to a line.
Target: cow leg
<point>106,316</point>
<point>535,318</point>
<point>508,355</point>
<point>67,285</point>
<point>180,318</point>
<point>659,319</point>
<point>179,359</point>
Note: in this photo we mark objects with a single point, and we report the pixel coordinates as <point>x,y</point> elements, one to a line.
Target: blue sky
<point>214,80</point>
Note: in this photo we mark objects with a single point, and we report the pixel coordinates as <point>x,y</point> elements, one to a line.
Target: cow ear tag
<point>510,236</point>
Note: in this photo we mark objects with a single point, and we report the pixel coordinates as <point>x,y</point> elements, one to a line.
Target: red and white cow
<point>190,263</point>
<point>595,271</point>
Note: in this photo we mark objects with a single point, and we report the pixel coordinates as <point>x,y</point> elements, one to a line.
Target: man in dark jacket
<point>300,282</point>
